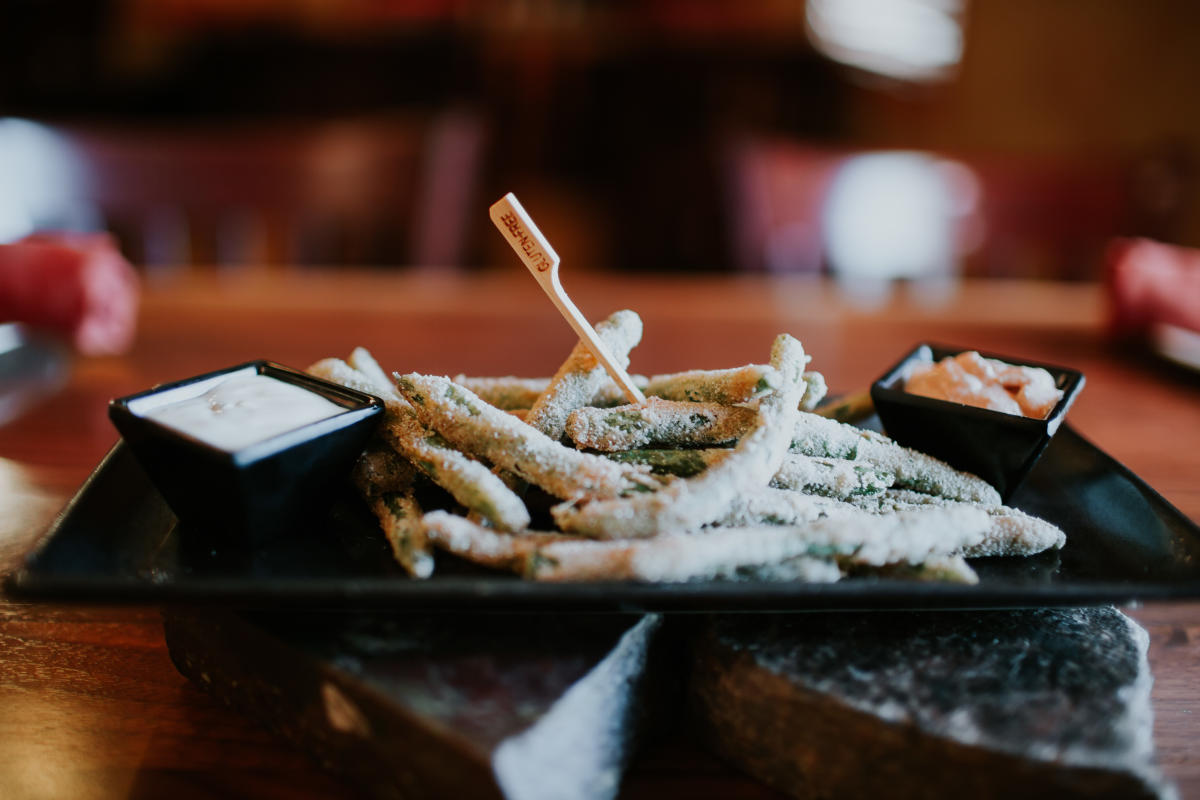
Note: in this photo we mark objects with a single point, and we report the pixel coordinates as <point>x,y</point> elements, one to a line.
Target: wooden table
<point>90,705</point>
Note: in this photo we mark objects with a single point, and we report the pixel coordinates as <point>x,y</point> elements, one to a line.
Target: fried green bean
<point>1011,532</point>
<point>338,371</point>
<point>399,516</point>
<point>687,504</point>
<point>905,537</point>
<point>479,428</point>
<point>662,423</point>
<point>511,393</point>
<point>768,506</point>
<point>817,436</point>
<point>831,477</point>
<point>362,360</point>
<point>680,463</point>
<point>848,408</point>
<point>507,393</point>
<point>1015,533</point>
<point>799,569</point>
<point>490,548</point>
<point>726,386</point>
<point>385,481</point>
<point>814,392</point>
<point>471,483</point>
<point>658,422</point>
<point>670,557</point>
<point>611,395</point>
<point>940,569</point>
<point>901,538</point>
<point>380,470</point>
<point>581,376</point>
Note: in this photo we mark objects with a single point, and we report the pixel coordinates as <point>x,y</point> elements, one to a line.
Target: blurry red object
<point>1150,282</point>
<point>78,285</point>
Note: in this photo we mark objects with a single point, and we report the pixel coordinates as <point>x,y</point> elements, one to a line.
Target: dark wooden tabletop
<point>90,705</point>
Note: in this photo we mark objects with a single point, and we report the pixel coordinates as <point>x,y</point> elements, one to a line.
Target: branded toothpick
<point>539,257</point>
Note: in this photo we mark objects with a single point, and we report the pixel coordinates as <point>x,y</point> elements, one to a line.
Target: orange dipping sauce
<point>973,380</point>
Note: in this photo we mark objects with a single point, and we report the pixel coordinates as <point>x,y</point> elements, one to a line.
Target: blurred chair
<point>777,192</point>
<point>903,214</point>
<point>378,191</point>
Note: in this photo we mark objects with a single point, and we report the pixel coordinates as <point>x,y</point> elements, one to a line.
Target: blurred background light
<point>896,215</point>
<point>39,182</point>
<point>912,40</point>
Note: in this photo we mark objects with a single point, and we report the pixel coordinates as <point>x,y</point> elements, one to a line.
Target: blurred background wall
<point>874,137</point>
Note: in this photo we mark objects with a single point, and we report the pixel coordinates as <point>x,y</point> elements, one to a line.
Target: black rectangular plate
<point>118,542</point>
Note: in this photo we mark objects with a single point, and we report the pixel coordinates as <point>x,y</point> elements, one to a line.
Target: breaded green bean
<point>848,408</point>
<point>1015,533</point>
<point>478,428</point>
<point>895,499</point>
<point>380,470</point>
<point>362,360</point>
<point>945,569</point>
<point>1012,532</point>
<point>611,395</point>
<point>687,424</point>
<point>680,463</point>
<point>490,548</point>
<point>940,569</point>
<point>814,392</point>
<point>817,436</point>
<point>799,569</point>
<point>507,393</point>
<point>686,505</point>
<point>671,557</point>
<point>905,537</point>
<point>768,506</point>
<point>581,376</point>
<point>470,482</point>
<point>658,422</point>
<point>726,386</point>
<point>510,393</point>
<point>831,477</point>
<point>338,371</point>
<point>667,422</point>
<point>400,518</point>
<point>385,481</point>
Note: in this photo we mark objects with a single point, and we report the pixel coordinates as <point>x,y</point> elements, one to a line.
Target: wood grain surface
<point>92,706</point>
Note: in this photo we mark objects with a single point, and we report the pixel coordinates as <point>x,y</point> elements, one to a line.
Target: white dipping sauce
<point>244,409</point>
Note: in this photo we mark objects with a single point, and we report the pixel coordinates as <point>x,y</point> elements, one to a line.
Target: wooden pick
<point>539,257</point>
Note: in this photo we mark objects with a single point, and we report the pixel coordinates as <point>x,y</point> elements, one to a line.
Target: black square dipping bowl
<point>249,491</point>
<point>998,447</point>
